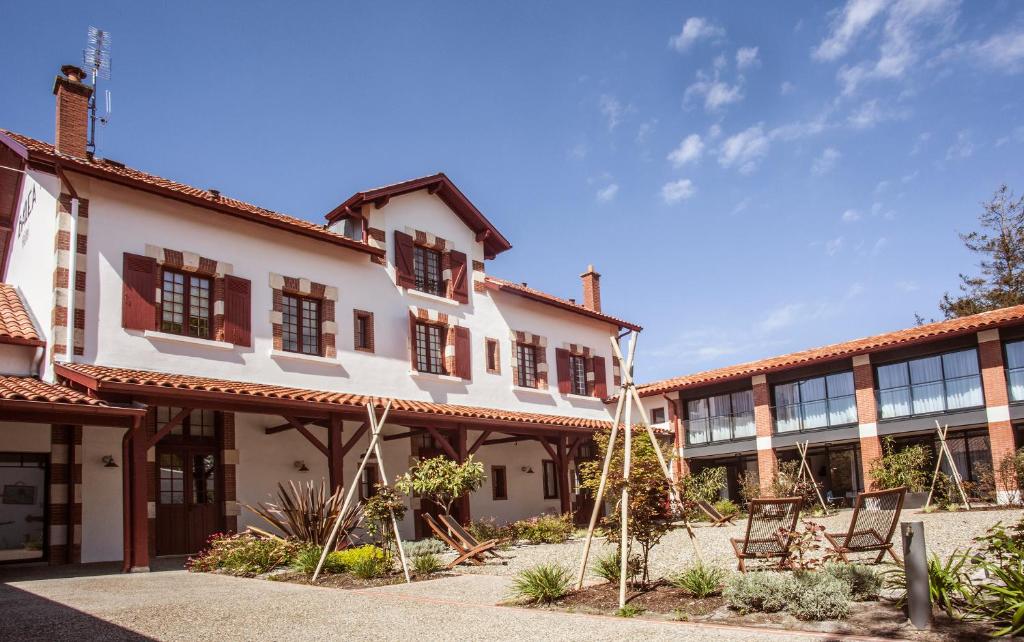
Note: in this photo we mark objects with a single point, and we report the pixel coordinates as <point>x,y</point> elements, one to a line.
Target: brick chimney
<point>72,94</point>
<point>591,289</point>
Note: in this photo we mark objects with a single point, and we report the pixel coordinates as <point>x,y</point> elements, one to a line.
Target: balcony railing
<point>815,415</point>
<point>934,397</point>
<point>722,428</point>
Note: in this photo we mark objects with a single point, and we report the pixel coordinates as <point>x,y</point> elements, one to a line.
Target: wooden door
<point>187,510</point>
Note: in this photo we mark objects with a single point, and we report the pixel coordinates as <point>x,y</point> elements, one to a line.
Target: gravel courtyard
<point>944,532</point>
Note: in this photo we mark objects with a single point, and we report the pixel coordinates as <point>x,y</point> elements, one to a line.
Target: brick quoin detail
<point>767,462</point>
<point>325,294</point>
<point>227,446</point>
<point>65,507</point>
<point>1000,430</point>
<point>64,322</point>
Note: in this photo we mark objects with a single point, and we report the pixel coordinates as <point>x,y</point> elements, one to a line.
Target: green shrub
<point>949,585</point>
<point>487,528</point>
<point>607,566</point>
<point>630,610</point>
<point>243,554</point>
<point>820,596</point>
<point>727,507</point>
<point>426,563</point>
<point>308,557</point>
<point>542,584</point>
<point>906,467</point>
<point>699,580</point>
<point>423,547</point>
<point>1002,601</point>
<point>765,592</point>
<point>367,562</point>
<point>545,529</point>
<point>865,582</point>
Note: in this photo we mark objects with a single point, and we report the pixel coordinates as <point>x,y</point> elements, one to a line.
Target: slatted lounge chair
<point>874,521</point>
<point>465,537</point>
<point>473,555</point>
<point>763,539</point>
<point>717,519</point>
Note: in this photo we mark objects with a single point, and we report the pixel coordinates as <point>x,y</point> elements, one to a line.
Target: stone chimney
<point>72,94</point>
<point>591,289</point>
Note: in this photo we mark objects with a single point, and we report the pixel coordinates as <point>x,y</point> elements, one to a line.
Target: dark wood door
<point>187,510</point>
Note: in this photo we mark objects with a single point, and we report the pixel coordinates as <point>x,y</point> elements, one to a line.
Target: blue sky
<point>749,179</point>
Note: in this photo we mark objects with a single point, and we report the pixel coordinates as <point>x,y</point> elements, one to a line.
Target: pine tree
<point>1000,242</point>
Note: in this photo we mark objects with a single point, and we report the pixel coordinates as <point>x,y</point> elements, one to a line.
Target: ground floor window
<point>550,480</point>
<point>836,470</point>
<point>368,482</point>
<point>970,449</point>
<point>740,471</point>
<point>499,483</point>
<point>23,481</point>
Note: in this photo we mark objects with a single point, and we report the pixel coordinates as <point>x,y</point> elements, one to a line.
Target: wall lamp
<point>301,466</point>
<point>527,469</point>
<point>108,461</point>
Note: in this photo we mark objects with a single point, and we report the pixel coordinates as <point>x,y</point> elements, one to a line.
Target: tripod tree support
<point>805,468</point>
<point>945,454</point>
<point>376,426</point>
<point>627,397</point>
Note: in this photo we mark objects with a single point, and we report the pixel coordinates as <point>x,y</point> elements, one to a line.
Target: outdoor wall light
<point>108,461</point>
<point>527,469</point>
<point>301,466</point>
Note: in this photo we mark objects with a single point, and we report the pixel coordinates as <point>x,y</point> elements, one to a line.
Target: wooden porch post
<point>335,453</point>
<point>565,504</point>
<point>462,448</point>
<point>139,499</point>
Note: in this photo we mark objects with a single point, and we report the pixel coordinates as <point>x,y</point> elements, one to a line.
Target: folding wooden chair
<point>763,539</point>
<point>717,519</point>
<point>473,555</point>
<point>465,537</point>
<point>875,516</point>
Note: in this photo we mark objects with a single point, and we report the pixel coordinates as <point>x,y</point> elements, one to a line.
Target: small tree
<point>377,510</point>
<point>442,480</point>
<point>1011,472</point>
<point>648,492</point>
<point>1001,246</point>
<point>906,467</point>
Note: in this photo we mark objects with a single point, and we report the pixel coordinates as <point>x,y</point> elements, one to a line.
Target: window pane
<point>290,324</point>
<point>926,370</point>
<point>719,406</point>
<point>893,376</point>
<point>1015,354</point>
<point>812,389</point>
<point>697,429</point>
<point>697,409</point>
<point>964,392</point>
<point>928,397</point>
<point>1016,379</point>
<point>744,425</point>
<point>578,372</point>
<point>787,418</point>
<point>427,269</point>
<point>895,402</point>
<point>310,326</point>
<point>787,393</point>
<point>815,414</point>
<point>721,428</point>
<point>743,402</point>
<point>842,410</point>
<point>172,303</point>
<point>527,363</point>
<point>840,385</point>
<point>960,364</point>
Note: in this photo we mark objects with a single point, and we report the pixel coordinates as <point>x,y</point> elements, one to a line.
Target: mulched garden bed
<point>664,602</point>
<point>346,581</point>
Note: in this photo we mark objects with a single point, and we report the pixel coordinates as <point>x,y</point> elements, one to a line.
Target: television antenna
<point>96,59</point>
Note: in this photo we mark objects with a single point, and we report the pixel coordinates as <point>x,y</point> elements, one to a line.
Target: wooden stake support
<point>376,425</point>
<point>627,397</point>
<point>806,468</point>
<point>944,453</point>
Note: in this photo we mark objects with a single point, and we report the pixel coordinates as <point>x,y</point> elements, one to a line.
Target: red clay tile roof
<point>899,338</point>
<point>494,242</point>
<point>15,322</point>
<point>118,173</point>
<point>550,299</point>
<point>100,375</point>
<point>31,389</point>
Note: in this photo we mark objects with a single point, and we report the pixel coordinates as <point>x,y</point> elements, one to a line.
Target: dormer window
<point>353,228</point>
<point>427,270</point>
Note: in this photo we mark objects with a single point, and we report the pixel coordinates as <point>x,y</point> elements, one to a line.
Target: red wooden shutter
<point>237,311</point>
<point>463,353</point>
<point>562,370</point>
<point>138,298</point>
<point>600,378</point>
<point>406,274</point>
<point>460,280</point>
<point>412,341</point>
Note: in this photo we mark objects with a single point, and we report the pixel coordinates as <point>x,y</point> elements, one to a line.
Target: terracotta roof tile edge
<point>543,297</point>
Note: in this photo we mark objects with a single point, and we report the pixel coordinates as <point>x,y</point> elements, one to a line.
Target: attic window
<point>352,227</point>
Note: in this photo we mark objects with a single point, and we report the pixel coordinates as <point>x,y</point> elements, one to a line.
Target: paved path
<point>175,605</point>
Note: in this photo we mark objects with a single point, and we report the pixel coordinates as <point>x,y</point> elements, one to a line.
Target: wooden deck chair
<point>763,539</point>
<point>473,554</point>
<point>465,537</point>
<point>875,516</point>
<point>717,519</point>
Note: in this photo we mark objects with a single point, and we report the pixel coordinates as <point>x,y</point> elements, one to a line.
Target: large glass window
<point>185,304</point>
<point>429,348</point>
<point>818,402</point>
<point>300,325</point>
<point>427,270</point>
<point>720,418</point>
<point>23,511</point>
<point>1015,370</point>
<point>928,385</point>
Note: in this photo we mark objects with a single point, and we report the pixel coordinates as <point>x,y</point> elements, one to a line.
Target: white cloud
<point>746,58</point>
<point>645,130</point>
<point>714,131</point>
<point>790,314</point>
<point>677,191</point>
<point>689,150</point>
<point>695,29</point>
<point>962,148</point>
<point>826,162</point>
<point>741,206</point>
<point>578,152</point>
<point>786,88</point>
<point>716,93</point>
<point>855,17</point>
<point>1016,135</point>
<point>850,216</point>
<point>744,150</point>
<point>612,110</point>
<point>906,286</point>
<point>871,113</point>
<point>833,246</point>
<point>879,245</point>
<point>1002,52</point>
<point>607,193</point>
<point>720,62</point>
<point>920,142</point>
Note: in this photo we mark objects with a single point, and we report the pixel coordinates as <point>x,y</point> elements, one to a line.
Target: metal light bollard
<point>915,564</point>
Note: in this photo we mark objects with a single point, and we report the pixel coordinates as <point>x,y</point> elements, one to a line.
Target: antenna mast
<point>96,57</point>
